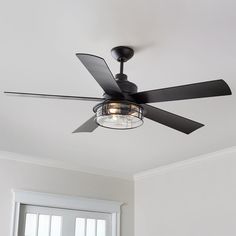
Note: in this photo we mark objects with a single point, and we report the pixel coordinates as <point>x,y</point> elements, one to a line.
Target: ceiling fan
<point>122,107</point>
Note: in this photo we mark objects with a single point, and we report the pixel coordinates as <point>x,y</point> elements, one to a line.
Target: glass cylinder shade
<point>119,115</point>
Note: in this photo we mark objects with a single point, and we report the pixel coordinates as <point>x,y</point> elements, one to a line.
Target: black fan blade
<point>55,96</point>
<point>171,120</point>
<point>89,126</point>
<point>99,69</point>
<point>190,91</point>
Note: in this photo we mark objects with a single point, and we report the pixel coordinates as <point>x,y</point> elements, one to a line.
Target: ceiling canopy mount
<point>122,53</point>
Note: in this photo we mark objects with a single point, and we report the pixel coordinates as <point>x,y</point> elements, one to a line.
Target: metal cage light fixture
<point>119,115</point>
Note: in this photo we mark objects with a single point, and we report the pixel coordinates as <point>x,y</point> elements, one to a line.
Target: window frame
<point>64,201</point>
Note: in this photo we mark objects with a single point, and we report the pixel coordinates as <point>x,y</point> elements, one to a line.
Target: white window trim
<point>67,202</point>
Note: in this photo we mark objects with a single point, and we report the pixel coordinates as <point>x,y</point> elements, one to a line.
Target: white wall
<point>195,199</point>
<point>46,179</point>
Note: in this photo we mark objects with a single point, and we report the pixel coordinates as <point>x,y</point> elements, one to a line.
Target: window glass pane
<point>90,229</point>
<point>44,221</point>
<point>80,227</point>
<point>101,228</point>
<point>55,226</point>
<point>30,224</point>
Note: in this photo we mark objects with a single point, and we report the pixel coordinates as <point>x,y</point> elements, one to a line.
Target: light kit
<point>119,115</point>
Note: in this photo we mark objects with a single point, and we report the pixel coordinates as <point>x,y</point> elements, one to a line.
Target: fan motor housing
<point>127,86</point>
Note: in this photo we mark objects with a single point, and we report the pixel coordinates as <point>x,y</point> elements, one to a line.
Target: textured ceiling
<point>176,42</point>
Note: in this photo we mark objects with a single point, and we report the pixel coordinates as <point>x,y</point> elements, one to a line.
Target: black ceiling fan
<point>122,107</point>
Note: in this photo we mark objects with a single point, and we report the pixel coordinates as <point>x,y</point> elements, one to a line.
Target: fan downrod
<point>122,53</point>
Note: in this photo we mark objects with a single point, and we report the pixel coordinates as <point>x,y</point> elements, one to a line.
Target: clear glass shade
<point>119,115</point>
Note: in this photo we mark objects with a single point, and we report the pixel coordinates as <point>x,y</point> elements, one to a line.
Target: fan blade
<point>171,120</point>
<point>99,69</point>
<point>190,91</point>
<point>55,96</point>
<point>89,126</point>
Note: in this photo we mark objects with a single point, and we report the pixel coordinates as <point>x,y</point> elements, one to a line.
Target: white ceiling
<point>176,42</point>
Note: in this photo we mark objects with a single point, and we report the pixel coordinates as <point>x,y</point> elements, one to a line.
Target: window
<point>39,214</point>
<point>45,221</point>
